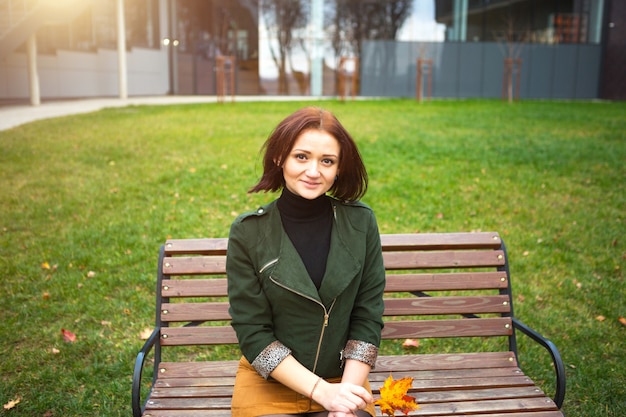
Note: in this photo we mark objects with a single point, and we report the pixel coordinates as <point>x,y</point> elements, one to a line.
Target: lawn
<point>88,199</point>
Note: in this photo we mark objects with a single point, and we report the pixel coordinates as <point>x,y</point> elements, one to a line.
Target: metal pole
<point>317,27</point>
<point>121,51</point>
<point>460,20</point>
<point>33,74</point>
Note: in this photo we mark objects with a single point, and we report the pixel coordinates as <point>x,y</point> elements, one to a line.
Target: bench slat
<point>423,366</point>
<point>205,381</point>
<point>217,287</point>
<point>440,241</point>
<point>226,413</point>
<point>466,383</point>
<point>206,369</point>
<point>394,242</point>
<point>422,329</point>
<point>194,392</point>
<point>517,413</point>
<point>194,265</point>
<point>212,287</point>
<point>189,413</point>
<point>432,260</point>
<point>447,305</point>
<point>194,403</point>
<point>423,397</point>
<point>484,327</point>
<point>446,282</point>
<point>211,311</point>
<point>475,407</point>
<point>445,361</point>
<point>218,311</point>
<point>206,335</point>
<point>192,413</point>
<point>204,246</point>
<point>439,374</point>
<point>476,394</point>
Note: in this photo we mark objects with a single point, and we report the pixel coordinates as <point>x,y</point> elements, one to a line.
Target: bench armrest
<point>139,366</point>
<point>559,368</point>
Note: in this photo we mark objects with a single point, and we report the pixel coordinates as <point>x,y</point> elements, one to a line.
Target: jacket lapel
<point>341,269</point>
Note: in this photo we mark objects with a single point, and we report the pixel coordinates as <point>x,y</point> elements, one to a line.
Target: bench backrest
<point>443,285</point>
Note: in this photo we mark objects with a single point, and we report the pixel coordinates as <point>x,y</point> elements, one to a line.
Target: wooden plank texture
<point>205,246</point>
<point>447,305</point>
<point>194,265</point>
<point>196,287</point>
<point>212,311</point>
<point>440,241</point>
<point>421,329</point>
<point>446,281</point>
<point>432,260</point>
<point>205,335</point>
<point>395,242</point>
<point>445,361</point>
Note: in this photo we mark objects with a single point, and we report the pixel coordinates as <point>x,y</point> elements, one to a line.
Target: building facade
<point>545,49</point>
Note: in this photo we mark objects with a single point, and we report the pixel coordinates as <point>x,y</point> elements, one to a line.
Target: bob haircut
<point>351,183</point>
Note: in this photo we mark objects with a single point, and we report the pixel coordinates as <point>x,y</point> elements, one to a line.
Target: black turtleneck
<point>308,224</point>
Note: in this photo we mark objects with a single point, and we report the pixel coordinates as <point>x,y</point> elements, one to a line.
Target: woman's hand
<point>341,399</point>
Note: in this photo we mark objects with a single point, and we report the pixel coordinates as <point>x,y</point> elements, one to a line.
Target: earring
<point>336,178</point>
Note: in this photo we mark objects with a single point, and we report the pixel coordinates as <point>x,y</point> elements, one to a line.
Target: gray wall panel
<point>539,70</point>
<point>565,71</point>
<point>447,80</point>
<point>588,76</point>
<point>462,70</point>
<point>493,70</point>
<point>470,70</point>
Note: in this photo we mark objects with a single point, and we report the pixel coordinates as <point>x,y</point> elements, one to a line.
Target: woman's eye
<point>300,157</point>
<point>328,161</point>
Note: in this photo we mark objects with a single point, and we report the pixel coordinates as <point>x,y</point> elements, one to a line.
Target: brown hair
<point>352,181</point>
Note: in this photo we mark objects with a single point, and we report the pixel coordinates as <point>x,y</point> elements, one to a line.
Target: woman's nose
<point>312,170</point>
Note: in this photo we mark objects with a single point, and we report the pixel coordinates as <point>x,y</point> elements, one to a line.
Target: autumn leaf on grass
<point>145,333</point>
<point>12,403</point>
<point>68,336</point>
<point>409,343</point>
<point>393,396</point>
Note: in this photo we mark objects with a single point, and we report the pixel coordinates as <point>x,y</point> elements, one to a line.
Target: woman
<point>306,278</point>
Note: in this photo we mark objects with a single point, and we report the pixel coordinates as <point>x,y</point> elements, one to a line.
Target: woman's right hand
<point>342,397</point>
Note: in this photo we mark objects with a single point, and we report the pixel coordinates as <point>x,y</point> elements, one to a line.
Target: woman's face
<point>312,164</point>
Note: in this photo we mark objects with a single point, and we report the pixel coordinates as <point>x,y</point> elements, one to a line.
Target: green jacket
<point>276,309</point>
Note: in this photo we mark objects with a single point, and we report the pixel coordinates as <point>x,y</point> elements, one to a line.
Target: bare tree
<point>283,18</point>
<point>511,41</point>
<point>359,20</point>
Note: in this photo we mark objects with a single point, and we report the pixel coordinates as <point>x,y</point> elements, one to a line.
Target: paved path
<point>12,116</point>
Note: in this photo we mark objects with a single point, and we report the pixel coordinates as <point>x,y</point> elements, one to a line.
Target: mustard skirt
<point>255,396</point>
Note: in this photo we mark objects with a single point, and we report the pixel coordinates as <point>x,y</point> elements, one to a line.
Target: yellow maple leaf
<point>393,396</point>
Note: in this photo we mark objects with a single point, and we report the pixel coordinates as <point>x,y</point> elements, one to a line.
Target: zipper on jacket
<point>326,316</point>
<point>319,343</point>
<point>267,265</point>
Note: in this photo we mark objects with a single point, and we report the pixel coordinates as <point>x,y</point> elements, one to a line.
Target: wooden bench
<point>444,287</point>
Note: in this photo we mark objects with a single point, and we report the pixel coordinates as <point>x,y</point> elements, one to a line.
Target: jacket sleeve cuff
<point>360,351</point>
<point>270,358</point>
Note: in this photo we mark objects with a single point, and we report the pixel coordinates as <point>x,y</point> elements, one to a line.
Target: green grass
<point>100,192</point>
